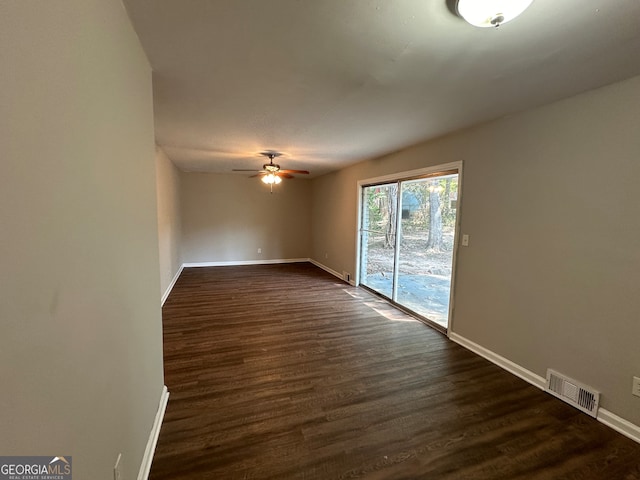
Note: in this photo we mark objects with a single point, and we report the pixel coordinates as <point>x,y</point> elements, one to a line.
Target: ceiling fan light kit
<point>271,173</point>
<point>490,13</point>
<point>270,178</point>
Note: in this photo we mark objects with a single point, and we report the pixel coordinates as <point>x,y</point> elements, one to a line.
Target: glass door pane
<point>426,241</point>
<point>378,237</point>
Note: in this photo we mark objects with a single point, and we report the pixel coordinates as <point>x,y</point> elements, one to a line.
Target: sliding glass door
<point>378,236</point>
<point>407,242</point>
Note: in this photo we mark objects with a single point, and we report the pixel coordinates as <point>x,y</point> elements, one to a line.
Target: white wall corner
<point>605,417</point>
<point>173,282</point>
<point>147,458</point>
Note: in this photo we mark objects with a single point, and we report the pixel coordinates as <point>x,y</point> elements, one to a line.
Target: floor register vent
<point>574,393</point>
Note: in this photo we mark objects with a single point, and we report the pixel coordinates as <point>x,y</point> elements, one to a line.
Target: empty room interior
<point>296,239</point>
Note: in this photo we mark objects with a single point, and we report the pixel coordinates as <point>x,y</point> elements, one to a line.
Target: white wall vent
<point>574,393</point>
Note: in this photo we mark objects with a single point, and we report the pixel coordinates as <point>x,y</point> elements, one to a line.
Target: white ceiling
<point>333,82</point>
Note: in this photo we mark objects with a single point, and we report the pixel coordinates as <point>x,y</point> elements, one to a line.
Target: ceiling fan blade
<point>273,168</point>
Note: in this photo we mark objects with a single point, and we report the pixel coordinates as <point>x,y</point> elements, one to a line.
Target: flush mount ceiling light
<point>490,13</point>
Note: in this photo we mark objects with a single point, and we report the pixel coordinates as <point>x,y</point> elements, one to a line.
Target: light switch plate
<point>635,390</point>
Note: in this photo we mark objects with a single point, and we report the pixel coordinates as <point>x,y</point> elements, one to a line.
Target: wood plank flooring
<point>285,372</point>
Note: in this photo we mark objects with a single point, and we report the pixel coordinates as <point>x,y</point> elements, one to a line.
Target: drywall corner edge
<point>173,282</point>
<point>147,459</point>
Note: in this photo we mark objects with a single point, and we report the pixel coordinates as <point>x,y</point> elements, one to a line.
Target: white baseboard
<point>244,262</point>
<point>619,424</point>
<point>605,417</point>
<point>145,467</point>
<point>508,365</point>
<point>223,264</point>
<point>329,270</point>
<point>263,262</point>
<point>325,268</point>
<point>173,282</point>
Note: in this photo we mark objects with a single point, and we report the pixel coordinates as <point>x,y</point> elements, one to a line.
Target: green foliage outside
<point>416,215</point>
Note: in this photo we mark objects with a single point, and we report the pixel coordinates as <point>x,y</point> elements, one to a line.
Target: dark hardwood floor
<point>284,372</point>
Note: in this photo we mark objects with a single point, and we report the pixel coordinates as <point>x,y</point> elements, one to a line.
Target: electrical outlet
<point>326,255</point>
<point>465,240</point>
<point>117,469</point>
<point>259,250</point>
<point>635,390</point>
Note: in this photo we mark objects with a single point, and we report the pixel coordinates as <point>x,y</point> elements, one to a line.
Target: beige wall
<point>80,340</point>
<point>550,200</point>
<point>169,222</point>
<point>227,217</point>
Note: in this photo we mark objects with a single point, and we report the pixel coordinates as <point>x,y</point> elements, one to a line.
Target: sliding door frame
<point>412,175</point>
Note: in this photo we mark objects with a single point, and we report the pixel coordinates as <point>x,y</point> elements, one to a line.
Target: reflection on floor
<point>427,295</point>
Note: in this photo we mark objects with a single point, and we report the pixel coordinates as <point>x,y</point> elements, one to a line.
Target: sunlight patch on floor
<point>391,313</point>
<point>381,307</point>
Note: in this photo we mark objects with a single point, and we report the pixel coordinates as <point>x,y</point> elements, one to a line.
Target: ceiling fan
<point>271,172</point>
